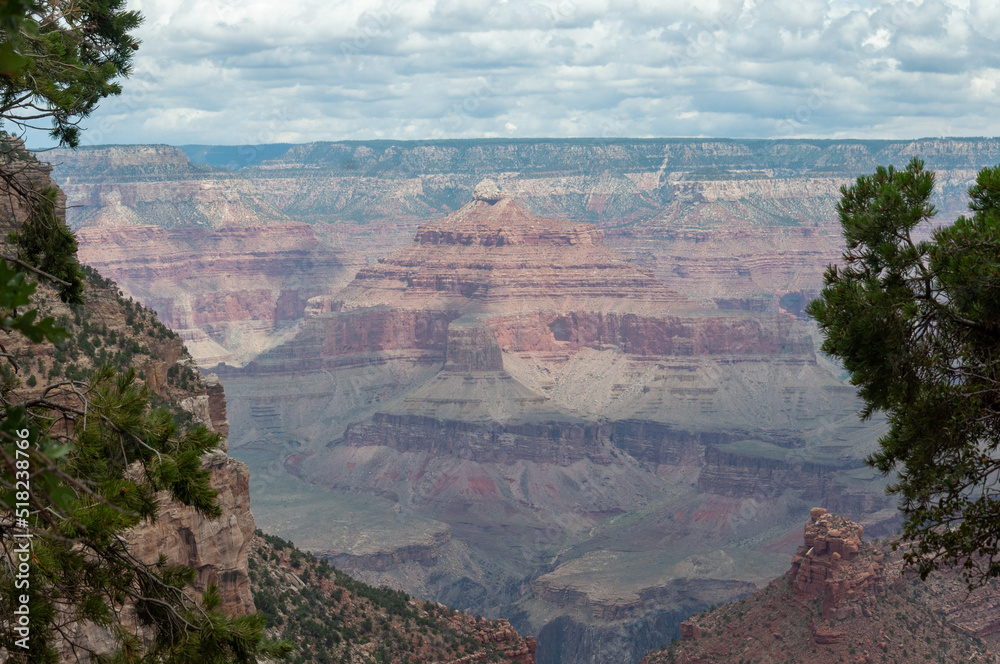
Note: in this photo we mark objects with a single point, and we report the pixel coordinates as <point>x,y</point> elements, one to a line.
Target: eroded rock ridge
<point>845,600</point>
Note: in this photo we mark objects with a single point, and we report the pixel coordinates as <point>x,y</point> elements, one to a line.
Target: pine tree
<point>917,324</point>
<point>60,58</point>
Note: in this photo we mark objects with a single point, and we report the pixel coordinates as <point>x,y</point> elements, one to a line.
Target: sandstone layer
<point>748,222</point>
<point>230,292</point>
<point>215,548</point>
<point>745,224</point>
<point>825,566</point>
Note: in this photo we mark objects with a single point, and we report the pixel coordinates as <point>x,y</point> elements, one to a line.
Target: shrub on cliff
<point>917,324</point>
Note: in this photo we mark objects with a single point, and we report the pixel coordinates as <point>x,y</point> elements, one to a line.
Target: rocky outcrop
<point>215,548</point>
<point>510,644</point>
<point>216,404</point>
<point>110,329</point>
<point>486,190</point>
<point>843,600</point>
<point>500,636</point>
<point>29,177</point>
<point>828,565</point>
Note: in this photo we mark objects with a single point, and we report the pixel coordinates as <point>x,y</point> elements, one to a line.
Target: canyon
<point>747,224</point>
<point>582,397</point>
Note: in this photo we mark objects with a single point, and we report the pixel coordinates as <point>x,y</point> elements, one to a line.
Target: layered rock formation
<point>152,185</point>
<point>747,224</point>
<point>216,549</point>
<point>230,292</point>
<point>541,285</point>
<point>826,567</point>
<point>229,272</point>
<point>498,252</point>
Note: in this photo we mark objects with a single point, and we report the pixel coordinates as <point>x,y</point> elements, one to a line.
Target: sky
<point>235,72</point>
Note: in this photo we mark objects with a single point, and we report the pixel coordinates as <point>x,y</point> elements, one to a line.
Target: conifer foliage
<point>917,324</point>
<point>59,59</point>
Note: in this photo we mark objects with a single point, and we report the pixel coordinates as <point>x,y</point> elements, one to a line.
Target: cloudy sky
<point>256,71</point>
